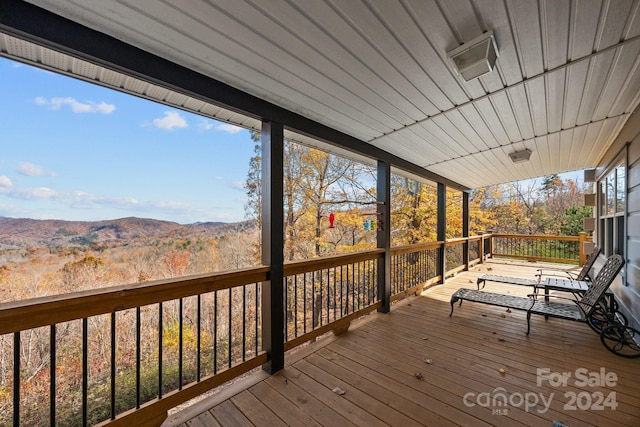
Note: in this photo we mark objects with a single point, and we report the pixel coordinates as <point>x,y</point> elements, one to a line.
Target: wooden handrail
<point>536,237</point>
<point>33,313</point>
<point>308,265</point>
<point>580,239</point>
<point>405,249</point>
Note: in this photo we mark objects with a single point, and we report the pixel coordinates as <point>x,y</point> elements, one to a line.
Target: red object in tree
<point>332,218</point>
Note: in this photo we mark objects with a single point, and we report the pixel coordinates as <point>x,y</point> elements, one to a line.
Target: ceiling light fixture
<point>476,57</point>
<point>520,156</point>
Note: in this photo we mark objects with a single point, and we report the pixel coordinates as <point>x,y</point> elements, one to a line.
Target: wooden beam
<point>273,245</point>
<point>465,228</point>
<point>442,230</point>
<point>383,236</point>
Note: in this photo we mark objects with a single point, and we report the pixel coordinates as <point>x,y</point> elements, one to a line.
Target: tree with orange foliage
<point>176,262</point>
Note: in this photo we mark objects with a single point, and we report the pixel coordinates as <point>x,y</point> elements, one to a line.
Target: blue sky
<point>76,151</point>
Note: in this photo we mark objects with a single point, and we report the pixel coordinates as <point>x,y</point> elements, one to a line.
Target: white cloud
<point>29,169</point>
<point>171,120</point>
<point>5,181</point>
<point>229,128</point>
<point>32,193</point>
<point>76,106</point>
<point>205,125</point>
<point>237,185</point>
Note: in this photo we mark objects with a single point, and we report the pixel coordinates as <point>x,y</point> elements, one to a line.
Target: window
<point>612,192</point>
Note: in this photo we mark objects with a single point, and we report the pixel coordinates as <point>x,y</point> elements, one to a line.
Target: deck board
<point>257,412</point>
<point>376,363</point>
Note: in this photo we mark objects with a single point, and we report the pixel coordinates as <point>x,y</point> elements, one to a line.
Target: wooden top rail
<point>405,249</point>
<point>459,240</point>
<point>37,312</point>
<point>316,264</point>
<point>537,237</point>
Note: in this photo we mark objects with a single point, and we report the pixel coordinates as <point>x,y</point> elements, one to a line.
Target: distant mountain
<point>23,232</point>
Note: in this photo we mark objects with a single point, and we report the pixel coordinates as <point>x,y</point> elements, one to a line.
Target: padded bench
<point>501,300</point>
<point>576,287</point>
<point>586,307</point>
<point>530,305</point>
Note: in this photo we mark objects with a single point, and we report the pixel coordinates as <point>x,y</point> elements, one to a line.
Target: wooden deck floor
<point>417,366</point>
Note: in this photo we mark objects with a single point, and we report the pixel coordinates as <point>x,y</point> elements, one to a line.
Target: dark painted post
<point>442,230</point>
<point>273,245</point>
<point>465,229</point>
<point>384,234</point>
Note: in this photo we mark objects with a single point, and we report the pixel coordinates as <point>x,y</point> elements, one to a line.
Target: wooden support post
<point>481,246</point>
<point>581,241</point>
<point>442,230</point>
<point>383,235</point>
<point>273,245</point>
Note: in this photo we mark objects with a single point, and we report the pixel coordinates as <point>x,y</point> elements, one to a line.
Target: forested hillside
<point>17,233</point>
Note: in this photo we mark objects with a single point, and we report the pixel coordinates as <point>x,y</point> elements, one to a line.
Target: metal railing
<point>413,266</point>
<point>565,249</point>
<point>94,356</point>
<point>132,352</point>
<point>325,294</point>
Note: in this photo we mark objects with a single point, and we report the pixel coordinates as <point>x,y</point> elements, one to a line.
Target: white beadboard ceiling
<point>566,80</point>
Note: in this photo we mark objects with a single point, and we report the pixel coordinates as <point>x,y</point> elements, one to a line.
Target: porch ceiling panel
<point>566,80</point>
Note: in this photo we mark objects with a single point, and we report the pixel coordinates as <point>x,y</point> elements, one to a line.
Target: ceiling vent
<point>520,156</point>
<point>476,57</point>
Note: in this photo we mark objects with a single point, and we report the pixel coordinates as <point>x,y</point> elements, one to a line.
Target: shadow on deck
<point>418,366</point>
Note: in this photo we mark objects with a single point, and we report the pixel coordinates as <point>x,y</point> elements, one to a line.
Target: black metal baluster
<point>160,322</point>
<point>199,338</point>
<point>230,318</point>
<point>215,332</point>
<point>244,322</point>
<point>286,308</point>
<point>304,304</point>
<point>138,352</point>
<point>320,300</point>
<point>335,296</point>
<point>353,288</point>
<point>346,293</point>
<point>295,304</point>
<point>180,341</point>
<point>16,379</point>
<point>341,293</point>
<point>359,279</point>
<point>257,317</point>
<point>368,284</point>
<point>373,267</point>
<point>85,369</point>
<point>52,375</point>
<point>313,300</point>
<point>113,366</point>
<point>328,296</point>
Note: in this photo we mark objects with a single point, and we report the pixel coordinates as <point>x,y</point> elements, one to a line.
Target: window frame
<point>611,208</point>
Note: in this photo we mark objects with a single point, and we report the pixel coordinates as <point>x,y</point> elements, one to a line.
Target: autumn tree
<point>413,211</point>
<point>315,184</point>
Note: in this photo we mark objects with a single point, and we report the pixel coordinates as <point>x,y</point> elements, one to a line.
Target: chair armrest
<point>546,296</point>
<point>566,274</point>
